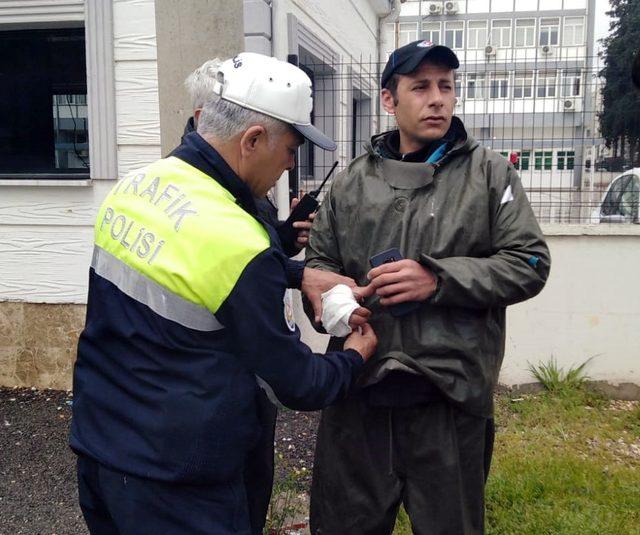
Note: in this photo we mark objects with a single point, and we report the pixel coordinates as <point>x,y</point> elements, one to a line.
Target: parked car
<point>621,200</point>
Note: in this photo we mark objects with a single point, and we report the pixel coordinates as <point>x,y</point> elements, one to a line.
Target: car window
<point>611,203</point>
<point>629,198</point>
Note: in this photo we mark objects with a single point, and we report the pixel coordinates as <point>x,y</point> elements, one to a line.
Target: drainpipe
<point>391,16</point>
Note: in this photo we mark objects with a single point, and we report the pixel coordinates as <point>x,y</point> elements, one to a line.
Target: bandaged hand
<point>341,313</point>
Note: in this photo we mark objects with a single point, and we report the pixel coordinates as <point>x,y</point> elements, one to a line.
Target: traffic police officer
<point>187,309</point>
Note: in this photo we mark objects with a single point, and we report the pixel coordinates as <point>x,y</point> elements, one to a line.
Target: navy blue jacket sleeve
<point>254,312</point>
<point>295,271</point>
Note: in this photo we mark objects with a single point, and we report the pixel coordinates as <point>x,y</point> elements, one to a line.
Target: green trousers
<point>432,458</point>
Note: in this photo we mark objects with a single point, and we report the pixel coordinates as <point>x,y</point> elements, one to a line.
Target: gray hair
<point>224,120</point>
<point>200,82</point>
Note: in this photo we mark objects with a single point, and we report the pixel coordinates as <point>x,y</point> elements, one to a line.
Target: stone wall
<point>38,343</point>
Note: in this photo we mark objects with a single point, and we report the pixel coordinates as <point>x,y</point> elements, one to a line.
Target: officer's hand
<point>315,282</point>
<point>401,281</point>
<point>363,340</point>
<point>303,227</point>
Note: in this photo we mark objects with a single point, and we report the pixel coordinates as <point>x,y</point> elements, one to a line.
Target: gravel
<point>38,492</point>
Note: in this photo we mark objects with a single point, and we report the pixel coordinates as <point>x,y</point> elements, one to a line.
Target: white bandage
<point>337,306</point>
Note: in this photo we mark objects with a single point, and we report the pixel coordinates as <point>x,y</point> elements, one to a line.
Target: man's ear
<point>388,102</point>
<point>250,139</point>
<point>196,114</point>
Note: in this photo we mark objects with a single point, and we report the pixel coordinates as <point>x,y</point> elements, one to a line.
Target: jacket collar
<point>403,174</point>
<point>195,151</point>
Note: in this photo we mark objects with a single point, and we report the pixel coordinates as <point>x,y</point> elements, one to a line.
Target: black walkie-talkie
<point>307,205</point>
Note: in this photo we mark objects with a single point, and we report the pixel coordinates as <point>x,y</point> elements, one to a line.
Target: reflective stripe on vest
<point>180,229</point>
<point>164,303</point>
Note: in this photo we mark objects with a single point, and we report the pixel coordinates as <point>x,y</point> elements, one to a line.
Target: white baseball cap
<point>273,87</point>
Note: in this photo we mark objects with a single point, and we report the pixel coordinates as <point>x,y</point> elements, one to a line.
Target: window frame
<point>549,28</point>
<point>576,76</point>
<point>547,75</point>
<point>423,32</point>
<point>454,31</point>
<point>527,29</point>
<point>524,75</point>
<point>566,32</point>
<point>477,34</point>
<point>476,77</point>
<point>401,32</point>
<point>501,32</point>
<point>500,87</point>
<point>96,17</point>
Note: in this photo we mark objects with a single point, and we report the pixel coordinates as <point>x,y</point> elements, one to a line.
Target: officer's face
<point>274,158</point>
<point>423,104</point>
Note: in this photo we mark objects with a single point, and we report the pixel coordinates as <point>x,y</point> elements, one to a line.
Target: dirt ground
<point>37,470</point>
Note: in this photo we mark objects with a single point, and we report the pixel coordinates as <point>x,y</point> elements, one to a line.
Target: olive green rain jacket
<point>468,220</point>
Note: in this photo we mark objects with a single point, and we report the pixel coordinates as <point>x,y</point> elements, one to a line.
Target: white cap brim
<point>315,136</point>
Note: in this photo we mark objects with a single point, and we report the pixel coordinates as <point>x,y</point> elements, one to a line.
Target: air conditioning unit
<point>490,50</point>
<point>451,8</point>
<point>435,8</point>
<point>571,104</point>
<point>547,50</point>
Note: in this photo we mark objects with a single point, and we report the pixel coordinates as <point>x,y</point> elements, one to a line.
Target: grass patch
<point>555,379</point>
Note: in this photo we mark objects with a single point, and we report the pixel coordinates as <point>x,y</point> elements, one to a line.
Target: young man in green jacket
<point>419,431</point>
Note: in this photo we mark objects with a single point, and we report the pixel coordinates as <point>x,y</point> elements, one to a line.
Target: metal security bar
<point>539,111</point>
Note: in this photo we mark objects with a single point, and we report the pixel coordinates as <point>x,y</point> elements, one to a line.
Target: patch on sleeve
<point>288,310</point>
<point>507,195</point>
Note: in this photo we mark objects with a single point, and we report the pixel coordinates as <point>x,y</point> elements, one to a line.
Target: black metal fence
<point>540,113</point>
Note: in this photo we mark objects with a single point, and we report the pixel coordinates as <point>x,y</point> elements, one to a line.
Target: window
<point>501,33</point>
<point>453,34</point>
<point>499,87</point>
<point>43,103</point>
<point>431,32</point>
<point>522,160</point>
<point>546,85</point>
<point>477,34</point>
<point>573,34</point>
<point>407,32</point>
<point>525,32</point>
<point>541,157</point>
<point>571,82</point>
<point>458,84</point>
<point>565,156</point>
<point>523,85</point>
<point>475,86</point>
<point>360,122</point>
<point>549,29</point>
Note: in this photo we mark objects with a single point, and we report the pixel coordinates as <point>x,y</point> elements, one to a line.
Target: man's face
<point>272,159</point>
<point>424,103</point>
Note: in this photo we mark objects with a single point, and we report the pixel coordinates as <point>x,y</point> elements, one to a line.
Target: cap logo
<point>424,44</point>
<point>237,62</point>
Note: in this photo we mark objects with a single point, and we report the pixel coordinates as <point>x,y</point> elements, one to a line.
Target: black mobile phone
<point>393,255</point>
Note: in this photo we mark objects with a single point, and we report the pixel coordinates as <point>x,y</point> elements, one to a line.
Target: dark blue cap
<point>406,59</point>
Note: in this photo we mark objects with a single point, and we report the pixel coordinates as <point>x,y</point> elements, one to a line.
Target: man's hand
<point>316,281</point>
<point>363,340</point>
<point>359,317</point>
<point>303,227</point>
<point>401,281</point>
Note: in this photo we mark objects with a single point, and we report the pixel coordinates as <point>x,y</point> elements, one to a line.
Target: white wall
<point>590,307</point>
<point>46,230</point>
